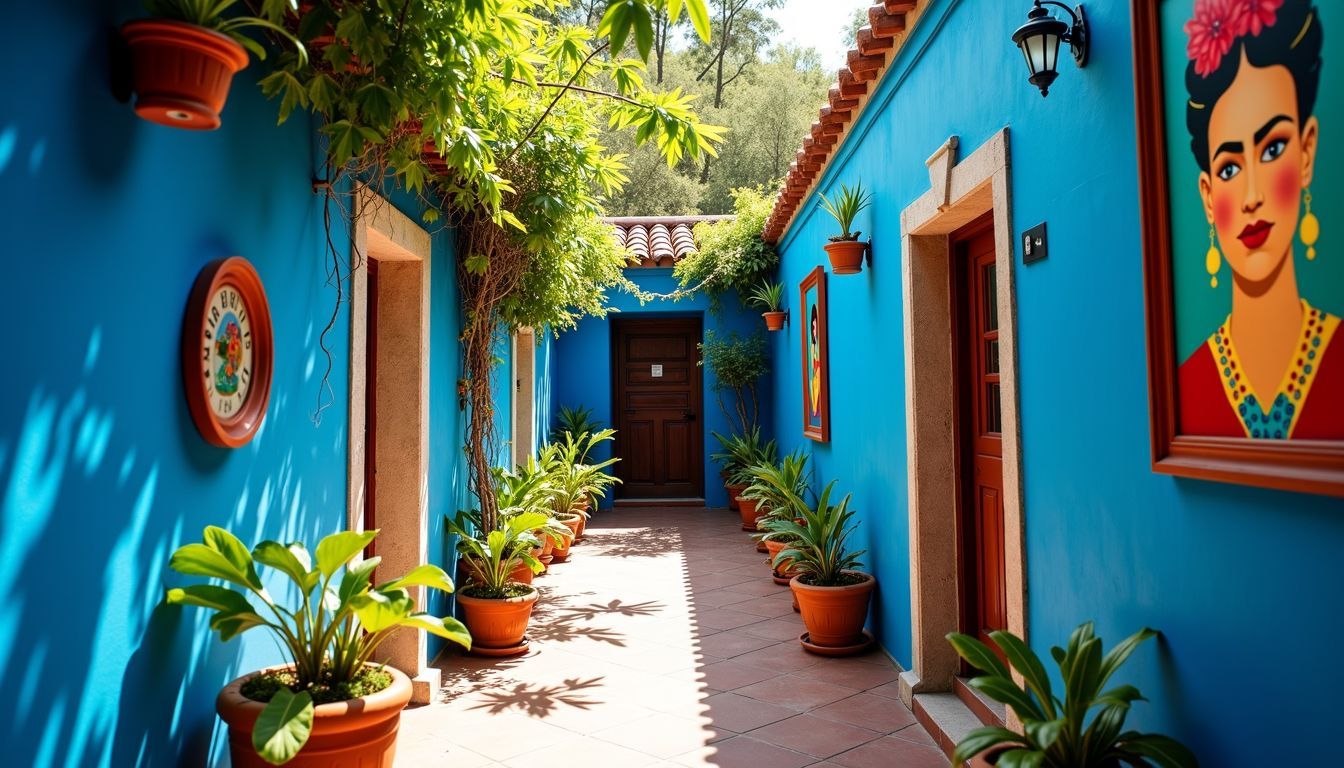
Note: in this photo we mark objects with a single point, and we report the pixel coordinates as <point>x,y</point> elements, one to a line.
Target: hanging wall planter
<point>845,250</point>
<point>181,71</point>
<point>770,297</point>
<point>846,256</point>
<point>183,63</point>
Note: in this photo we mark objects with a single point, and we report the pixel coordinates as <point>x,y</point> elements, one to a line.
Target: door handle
<point>687,415</point>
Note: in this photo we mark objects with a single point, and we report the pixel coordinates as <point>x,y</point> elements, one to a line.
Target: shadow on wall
<point>100,671</point>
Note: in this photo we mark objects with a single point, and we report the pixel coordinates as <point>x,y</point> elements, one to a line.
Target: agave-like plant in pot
<point>845,250</point>
<point>832,594</point>
<point>1062,734</point>
<point>769,297</point>
<point>330,700</point>
<point>779,490</point>
<point>495,606</point>
<point>738,455</point>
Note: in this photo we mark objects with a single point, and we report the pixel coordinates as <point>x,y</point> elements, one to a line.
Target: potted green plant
<point>770,297</point>
<point>184,58</point>
<point>576,483</point>
<point>577,420</point>
<point>739,453</point>
<point>329,702</point>
<point>832,595</point>
<point>1059,734</point>
<point>495,607</point>
<point>736,363</point>
<point>779,489</point>
<point>845,250</point>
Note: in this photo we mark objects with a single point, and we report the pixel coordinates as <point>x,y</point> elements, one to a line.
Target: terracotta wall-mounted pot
<point>181,72</point>
<point>846,256</point>
<point>774,321</point>
<point>360,731</point>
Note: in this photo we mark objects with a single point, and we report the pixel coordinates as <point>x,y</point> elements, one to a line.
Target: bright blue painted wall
<point>582,373</point>
<point>102,473</point>
<point>1241,581</point>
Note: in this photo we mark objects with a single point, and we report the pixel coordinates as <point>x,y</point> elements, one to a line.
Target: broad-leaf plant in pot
<point>1084,730</point>
<point>495,607</point>
<point>578,484</point>
<point>832,595</point>
<point>846,250</point>
<point>769,297</point>
<point>184,58</point>
<point>329,703</point>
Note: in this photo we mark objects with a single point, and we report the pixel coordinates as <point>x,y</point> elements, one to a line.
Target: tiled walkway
<point>664,642</point>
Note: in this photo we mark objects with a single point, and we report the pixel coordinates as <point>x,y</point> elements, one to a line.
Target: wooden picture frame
<point>816,373</point>
<point>1308,466</point>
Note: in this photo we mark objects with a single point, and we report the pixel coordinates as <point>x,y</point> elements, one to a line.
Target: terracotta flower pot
<point>359,732</point>
<point>774,321</point>
<point>733,492</point>
<point>782,575</point>
<point>181,72</point>
<point>520,573</point>
<point>560,552</point>
<point>846,256</point>
<point>583,526</point>
<point>834,616</point>
<point>497,624</point>
<point>747,509</point>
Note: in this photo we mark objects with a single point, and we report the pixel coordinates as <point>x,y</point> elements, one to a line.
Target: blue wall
<point>102,472</point>
<point>1242,582</point>
<point>582,374</point>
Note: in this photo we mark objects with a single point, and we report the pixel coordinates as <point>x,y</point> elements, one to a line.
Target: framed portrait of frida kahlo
<point>816,357</point>
<point>1239,170</point>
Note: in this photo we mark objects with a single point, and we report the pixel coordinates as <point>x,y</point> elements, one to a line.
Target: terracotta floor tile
<point>745,752</point>
<point>725,618</point>
<point>865,710</point>
<point>731,674</point>
<point>852,674</point>
<point>645,646</point>
<point>814,736</point>
<point>888,752</point>
<point>740,714</point>
<point>797,693</point>
<point>729,644</point>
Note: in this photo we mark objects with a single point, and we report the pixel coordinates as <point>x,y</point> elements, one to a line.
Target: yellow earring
<point>1213,260</point>
<point>1311,227</point>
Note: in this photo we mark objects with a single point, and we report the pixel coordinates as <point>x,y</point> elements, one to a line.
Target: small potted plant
<point>330,703</point>
<point>739,454</point>
<point>1059,732</point>
<point>575,482</point>
<point>845,250</point>
<point>496,608</point>
<point>770,297</point>
<point>185,57</point>
<point>832,595</point>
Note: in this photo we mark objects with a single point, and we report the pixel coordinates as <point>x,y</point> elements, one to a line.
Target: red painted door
<point>984,592</point>
<point>657,398</point>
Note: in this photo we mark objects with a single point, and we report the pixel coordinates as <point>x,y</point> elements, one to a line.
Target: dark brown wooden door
<point>371,403</point>
<point>657,399</point>
<point>980,423</point>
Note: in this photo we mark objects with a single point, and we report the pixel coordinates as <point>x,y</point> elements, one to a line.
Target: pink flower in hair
<point>1216,25</point>
<point>1260,14</point>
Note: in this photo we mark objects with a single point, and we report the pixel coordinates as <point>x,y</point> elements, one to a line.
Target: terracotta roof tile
<point>658,241</point>
<point>875,47</point>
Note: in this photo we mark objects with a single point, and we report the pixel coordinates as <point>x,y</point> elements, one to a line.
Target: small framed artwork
<point>816,358</point>
<point>1243,285</point>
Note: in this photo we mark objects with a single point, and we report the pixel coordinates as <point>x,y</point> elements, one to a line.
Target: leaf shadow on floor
<point>541,700</point>
<point>634,542</point>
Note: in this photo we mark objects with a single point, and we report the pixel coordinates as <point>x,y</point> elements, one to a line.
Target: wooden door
<point>657,396</point>
<point>371,403</point>
<point>980,424</point>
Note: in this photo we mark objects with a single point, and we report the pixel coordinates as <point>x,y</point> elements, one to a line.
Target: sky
<point>818,23</point>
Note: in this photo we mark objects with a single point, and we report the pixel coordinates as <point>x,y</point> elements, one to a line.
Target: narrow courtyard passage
<point>664,642</point>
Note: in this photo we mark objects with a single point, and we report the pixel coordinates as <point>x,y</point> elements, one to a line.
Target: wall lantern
<point>1040,37</point>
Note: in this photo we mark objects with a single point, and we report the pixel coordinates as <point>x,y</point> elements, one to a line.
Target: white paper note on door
<point>657,372</point>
